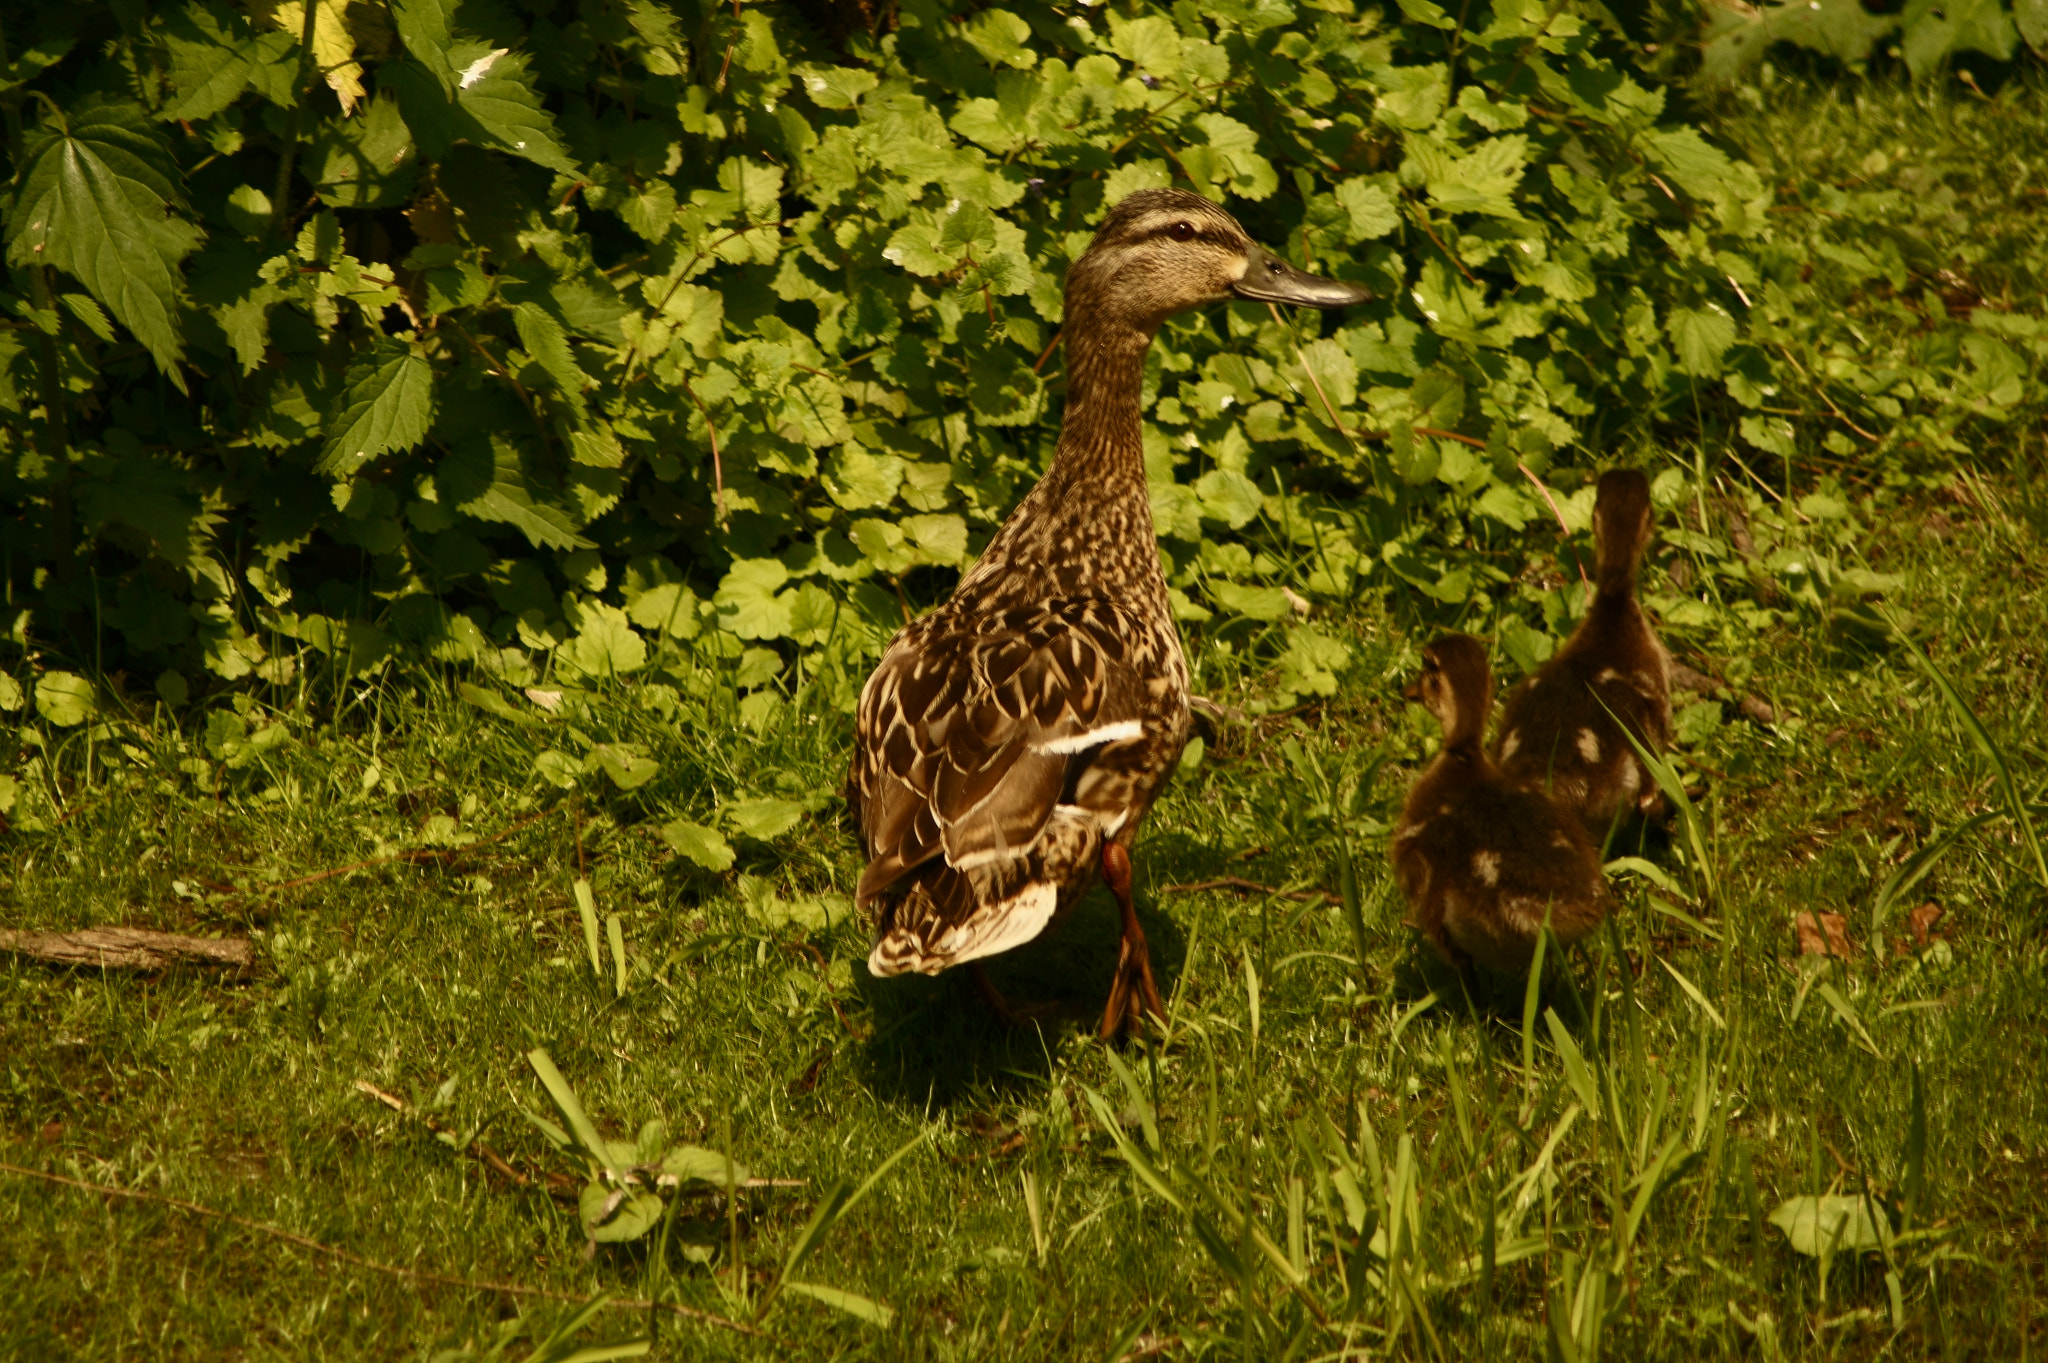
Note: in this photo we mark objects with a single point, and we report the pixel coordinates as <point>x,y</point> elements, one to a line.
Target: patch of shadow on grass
<point>936,1042</point>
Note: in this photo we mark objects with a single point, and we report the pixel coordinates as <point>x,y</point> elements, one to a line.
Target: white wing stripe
<point>1120,732</point>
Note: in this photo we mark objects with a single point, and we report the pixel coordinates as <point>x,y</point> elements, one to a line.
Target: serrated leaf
<point>1000,36</point>
<point>706,847</point>
<point>208,45</point>
<point>605,644</point>
<point>386,403</point>
<point>1701,336</point>
<point>1369,208</point>
<point>545,340</point>
<point>333,45</point>
<point>490,482</point>
<point>98,191</point>
<point>751,603</point>
<point>835,87</point>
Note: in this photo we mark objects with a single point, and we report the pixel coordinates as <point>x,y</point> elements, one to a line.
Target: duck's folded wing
<point>966,741</point>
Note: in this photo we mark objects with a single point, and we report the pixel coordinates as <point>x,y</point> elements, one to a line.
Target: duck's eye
<point>1182,231</point>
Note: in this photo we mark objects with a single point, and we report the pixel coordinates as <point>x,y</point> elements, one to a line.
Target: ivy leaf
<point>96,199</point>
<point>386,403</point>
<point>706,847</point>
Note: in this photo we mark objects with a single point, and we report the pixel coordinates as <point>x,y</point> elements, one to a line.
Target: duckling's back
<point>1561,727</point>
<point>1486,863</point>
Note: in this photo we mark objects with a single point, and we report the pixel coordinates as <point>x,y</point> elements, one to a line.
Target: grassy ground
<point>1593,1172</point>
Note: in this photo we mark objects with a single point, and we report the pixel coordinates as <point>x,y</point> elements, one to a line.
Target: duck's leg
<point>1132,993</point>
<point>991,995</point>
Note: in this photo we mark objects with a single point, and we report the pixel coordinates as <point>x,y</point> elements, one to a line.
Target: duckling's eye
<point>1182,231</point>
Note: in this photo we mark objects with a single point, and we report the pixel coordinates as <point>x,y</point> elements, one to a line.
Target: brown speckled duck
<point>1486,861</point>
<point>1557,729</point>
<point>1009,744</point>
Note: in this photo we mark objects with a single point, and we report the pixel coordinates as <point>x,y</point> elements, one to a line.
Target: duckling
<point>1485,861</point>
<point>1010,743</point>
<point>1558,728</point>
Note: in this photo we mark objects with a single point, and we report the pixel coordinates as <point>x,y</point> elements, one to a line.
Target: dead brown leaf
<point>1922,921</point>
<point>1823,934</point>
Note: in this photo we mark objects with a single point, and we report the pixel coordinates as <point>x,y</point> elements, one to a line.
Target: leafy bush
<point>597,339</point>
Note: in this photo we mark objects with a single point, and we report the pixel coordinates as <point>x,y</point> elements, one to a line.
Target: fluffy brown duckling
<point>1558,727</point>
<point>1486,861</point>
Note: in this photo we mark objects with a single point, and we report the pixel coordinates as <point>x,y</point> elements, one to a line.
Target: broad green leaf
<point>66,699</point>
<point>1702,336</point>
<point>613,1216</point>
<point>1829,1223</point>
<point>627,765</point>
<point>605,644</point>
<point>764,819</point>
<point>706,847</point>
<point>1370,209</point>
<point>545,340</point>
<point>97,198</point>
<point>490,482</point>
<point>835,87</point>
<point>1151,44</point>
<point>751,603</point>
<point>209,46</point>
<point>1000,36</point>
<point>386,403</point>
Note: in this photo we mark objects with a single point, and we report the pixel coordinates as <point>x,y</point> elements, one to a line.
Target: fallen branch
<point>394,1270</point>
<point>129,948</point>
<point>417,854</point>
<point>1242,886</point>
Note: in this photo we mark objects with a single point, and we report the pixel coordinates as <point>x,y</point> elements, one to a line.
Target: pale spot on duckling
<point>1486,865</point>
<point>1510,744</point>
<point>1589,745</point>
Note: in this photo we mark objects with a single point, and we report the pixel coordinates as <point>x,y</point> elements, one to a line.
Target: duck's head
<point>1163,251</point>
<point>1622,520</point>
<point>1455,685</point>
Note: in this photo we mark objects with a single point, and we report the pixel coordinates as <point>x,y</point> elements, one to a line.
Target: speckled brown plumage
<point>1485,861</point>
<point>1558,726</point>
<point>1012,738</point>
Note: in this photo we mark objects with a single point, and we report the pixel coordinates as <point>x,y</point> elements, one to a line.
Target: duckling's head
<point>1163,251</point>
<point>1622,519</point>
<point>1455,685</point>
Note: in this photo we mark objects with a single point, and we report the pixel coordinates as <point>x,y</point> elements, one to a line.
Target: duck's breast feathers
<point>971,733</point>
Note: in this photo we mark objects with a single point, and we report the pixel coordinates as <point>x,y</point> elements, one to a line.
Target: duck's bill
<point>1269,279</point>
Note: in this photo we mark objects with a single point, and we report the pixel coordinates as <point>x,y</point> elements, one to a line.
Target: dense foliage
<point>591,339</point>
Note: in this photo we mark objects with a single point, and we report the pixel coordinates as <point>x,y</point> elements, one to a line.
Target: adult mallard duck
<point>1486,861</point>
<point>1010,742</point>
<point>1558,728</point>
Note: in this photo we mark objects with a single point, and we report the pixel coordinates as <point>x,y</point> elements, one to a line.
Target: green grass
<point>1590,1170</point>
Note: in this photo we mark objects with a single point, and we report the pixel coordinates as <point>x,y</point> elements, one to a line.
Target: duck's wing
<point>968,739</point>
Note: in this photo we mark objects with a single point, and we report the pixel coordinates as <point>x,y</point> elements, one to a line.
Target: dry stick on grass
<point>1243,886</point>
<point>394,1270</point>
<point>416,854</point>
<point>476,1147</point>
<point>129,948</point>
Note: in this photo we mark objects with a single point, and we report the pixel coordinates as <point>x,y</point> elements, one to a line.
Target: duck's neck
<point>1087,526</point>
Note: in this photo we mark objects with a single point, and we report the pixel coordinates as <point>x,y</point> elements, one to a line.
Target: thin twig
<point>394,1270</point>
<point>416,854</point>
<point>1555,510</point>
<point>1050,346</point>
<point>717,460</point>
<point>1243,886</point>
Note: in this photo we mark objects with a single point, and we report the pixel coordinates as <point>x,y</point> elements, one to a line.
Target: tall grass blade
<point>572,1111</point>
<point>1576,1072</point>
<point>1693,992</point>
<point>1666,777</point>
<point>852,1303</point>
<point>1915,1155</point>
<point>586,905</point>
<point>2015,804</point>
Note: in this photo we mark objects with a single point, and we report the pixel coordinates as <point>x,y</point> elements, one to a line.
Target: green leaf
<point>704,846</point>
<point>208,45</point>
<point>613,1217</point>
<point>855,1305</point>
<point>1000,36</point>
<point>545,340</point>
<point>97,198</point>
<point>764,819</point>
<point>386,403</point>
<point>627,765</point>
<point>1702,336</point>
<point>835,87</point>
<point>1369,209</point>
<point>492,88</point>
<point>751,604</point>
<point>66,699</point>
<point>490,482</point>
<point>1829,1224</point>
